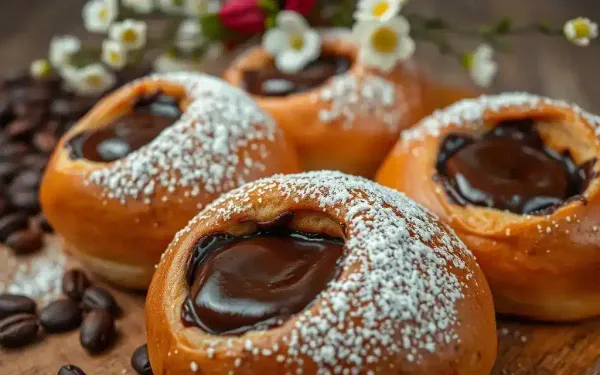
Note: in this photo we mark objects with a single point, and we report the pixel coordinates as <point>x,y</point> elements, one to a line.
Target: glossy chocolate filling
<point>270,81</point>
<point>149,116</point>
<point>509,168</point>
<point>257,281</point>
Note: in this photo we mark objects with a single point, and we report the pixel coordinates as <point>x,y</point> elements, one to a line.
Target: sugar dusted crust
<point>199,152</point>
<point>406,299</point>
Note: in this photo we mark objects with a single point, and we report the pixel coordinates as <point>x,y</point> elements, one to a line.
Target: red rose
<point>243,16</point>
<point>304,7</point>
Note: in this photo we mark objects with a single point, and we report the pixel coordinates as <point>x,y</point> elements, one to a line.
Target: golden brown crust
<point>540,267</point>
<point>423,307</point>
<point>122,237</point>
<point>329,131</point>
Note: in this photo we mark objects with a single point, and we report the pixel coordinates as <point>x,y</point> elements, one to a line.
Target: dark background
<point>538,64</point>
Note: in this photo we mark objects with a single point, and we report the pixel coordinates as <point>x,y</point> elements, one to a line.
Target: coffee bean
<point>18,330</point>
<point>4,206</point>
<point>26,200</point>
<point>16,78</point>
<point>6,112</point>
<point>13,151</point>
<point>70,370</point>
<point>36,162</point>
<point>44,141</point>
<point>43,224</point>
<point>11,304</point>
<point>25,241</point>
<point>96,298</point>
<point>61,316</point>
<point>70,108</point>
<point>74,284</point>
<point>140,361</point>
<point>97,331</point>
<point>8,170</point>
<point>12,223</point>
<point>20,128</point>
<point>29,178</point>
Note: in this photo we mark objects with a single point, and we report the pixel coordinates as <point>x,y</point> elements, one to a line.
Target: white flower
<point>92,80</point>
<point>581,31</point>
<point>198,7</point>
<point>140,6</point>
<point>130,33</point>
<point>383,44</point>
<point>381,10</point>
<point>62,49</point>
<point>40,68</point>
<point>189,35</point>
<point>114,54</point>
<point>172,6</point>
<point>481,65</point>
<point>292,42</point>
<point>99,14</point>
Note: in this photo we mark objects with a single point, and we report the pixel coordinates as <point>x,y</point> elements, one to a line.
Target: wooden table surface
<point>536,64</point>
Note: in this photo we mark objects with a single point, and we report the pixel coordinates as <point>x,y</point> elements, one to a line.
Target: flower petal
<point>312,45</point>
<point>291,22</point>
<point>406,48</point>
<point>290,61</point>
<point>275,41</point>
<point>399,24</point>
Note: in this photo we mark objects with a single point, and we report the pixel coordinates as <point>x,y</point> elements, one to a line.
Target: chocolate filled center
<point>270,81</point>
<point>148,118</point>
<point>255,282</point>
<point>509,168</point>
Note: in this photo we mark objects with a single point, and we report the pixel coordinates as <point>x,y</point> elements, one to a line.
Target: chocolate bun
<point>400,293</point>
<point>144,161</point>
<point>515,175</point>
<point>340,114</point>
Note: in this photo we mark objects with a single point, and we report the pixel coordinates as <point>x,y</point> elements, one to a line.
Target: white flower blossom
<point>131,34</point>
<point>172,6</point>
<point>166,63</point>
<point>62,49</point>
<point>92,80</point>
<point>98,15</point>
<point>292,42</point>
<point>383,44</point>
<point>581,31</point>
<point>40,68</point>
<point>114,54</point>
<point>381,10</point>
<point>198,7</point>
<point>189,35</point>
<point>481,65</point>
<point>140,6</point>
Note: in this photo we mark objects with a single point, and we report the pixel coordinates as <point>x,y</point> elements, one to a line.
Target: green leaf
<point>213,29</point>
<point>503,26</point>
<point>269,6</point>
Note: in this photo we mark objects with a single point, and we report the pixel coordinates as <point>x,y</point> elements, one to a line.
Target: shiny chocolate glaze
<point>270,81</point>
<point>149,116</point>
<point>257,281</point>
<point>509,168</point>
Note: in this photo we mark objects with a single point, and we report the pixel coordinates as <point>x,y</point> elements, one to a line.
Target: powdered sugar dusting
<point>200,151</point>
<point>350,95</point>
<point>469,112</point>
<point>400,265</point>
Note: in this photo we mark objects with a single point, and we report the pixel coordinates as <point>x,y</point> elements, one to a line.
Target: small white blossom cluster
<point>125,42</point>
<point>383,34</point>
<point>580,31</point>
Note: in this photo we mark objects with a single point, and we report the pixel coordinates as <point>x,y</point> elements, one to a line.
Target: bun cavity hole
<point>136,119</point>
<point>262,273</point>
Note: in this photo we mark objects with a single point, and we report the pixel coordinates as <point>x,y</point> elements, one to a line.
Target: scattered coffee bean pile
<point>91,307</point>
<point>34,114</point>
<point>140,361</point>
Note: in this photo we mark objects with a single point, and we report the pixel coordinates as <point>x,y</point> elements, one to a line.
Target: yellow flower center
<point>114,57</point>
<point>129,36</point>
<point>94,80</point>
<point>384,40</point>
<point>582,28</point>
<point>103,14</point>
<point>380,8</point>
<point>296,42</point>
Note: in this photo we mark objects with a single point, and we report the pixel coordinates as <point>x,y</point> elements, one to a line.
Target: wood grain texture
<point>545,66</point>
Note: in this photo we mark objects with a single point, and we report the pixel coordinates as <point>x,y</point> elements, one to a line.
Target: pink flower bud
<point>304,7</point>
<point>243,16</point>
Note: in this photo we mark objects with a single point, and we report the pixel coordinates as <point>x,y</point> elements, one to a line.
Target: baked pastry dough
<point>408,297</point>
<point>146,159</point>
